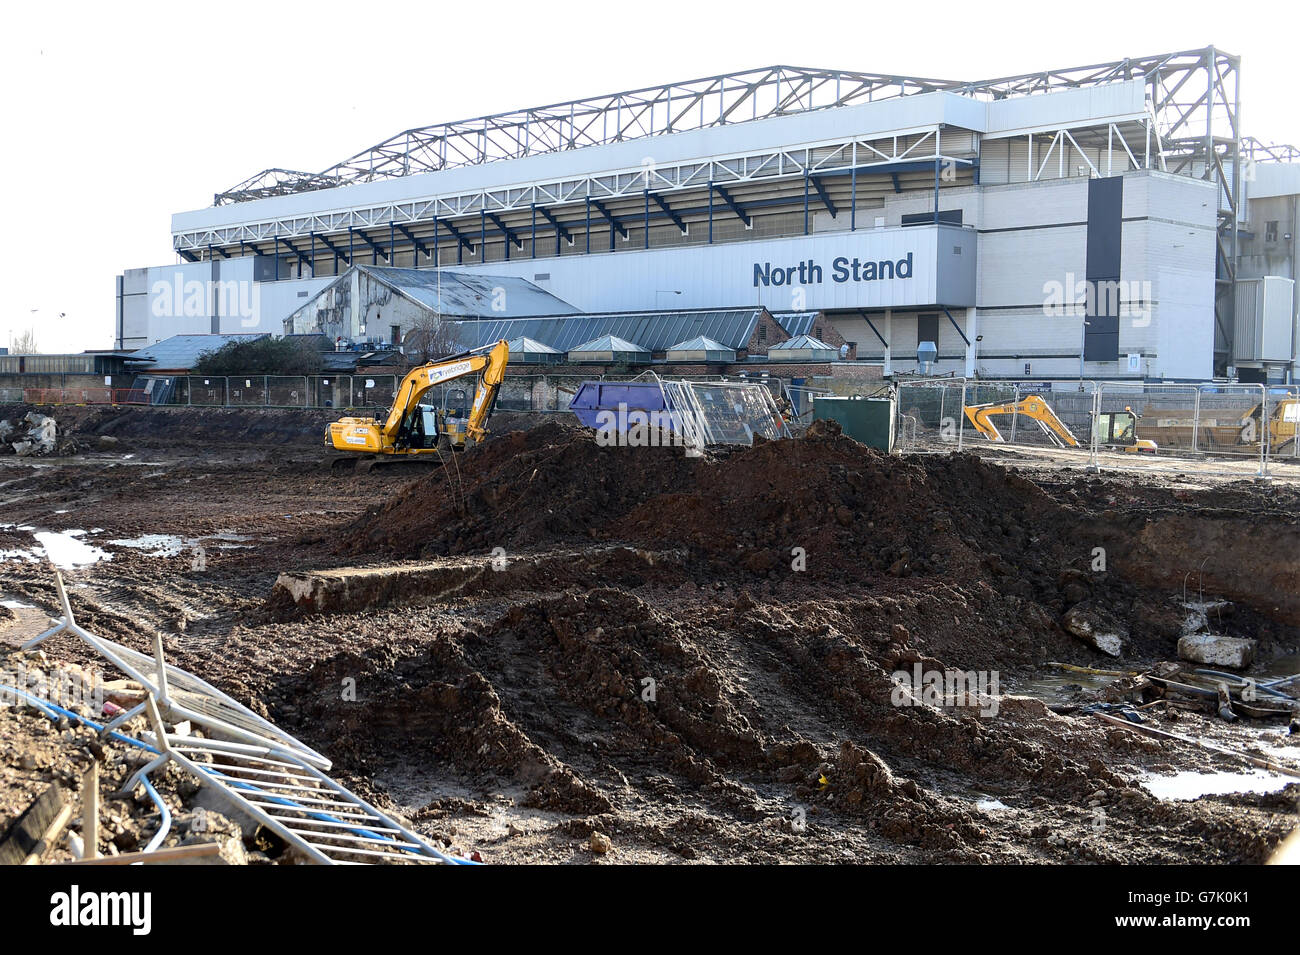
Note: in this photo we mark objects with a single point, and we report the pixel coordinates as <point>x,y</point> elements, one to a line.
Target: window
<point>395,335</point>
<point>1270,231</point>
<point>762,333</point>
<point>927,329</point>
<point>946,217</point>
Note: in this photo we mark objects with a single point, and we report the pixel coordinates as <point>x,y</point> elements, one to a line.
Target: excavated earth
<point>689,656</point>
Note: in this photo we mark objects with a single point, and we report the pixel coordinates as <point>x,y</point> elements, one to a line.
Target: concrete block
<point>1212,650</point>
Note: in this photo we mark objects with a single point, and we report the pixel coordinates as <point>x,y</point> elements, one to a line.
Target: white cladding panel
<point>206,298</point>
<point>1113,102</point>
<point>744,273</point>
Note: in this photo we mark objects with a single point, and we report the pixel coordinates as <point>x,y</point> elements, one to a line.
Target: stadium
<point>1111,221</point>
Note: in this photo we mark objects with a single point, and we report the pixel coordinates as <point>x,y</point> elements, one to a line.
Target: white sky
<point>118,115</point>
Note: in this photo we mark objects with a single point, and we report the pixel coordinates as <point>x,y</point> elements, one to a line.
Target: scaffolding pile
<point>257,768</point>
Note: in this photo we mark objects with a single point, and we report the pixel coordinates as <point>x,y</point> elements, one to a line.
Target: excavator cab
<point>1118,430</point>
<point>455,417</point>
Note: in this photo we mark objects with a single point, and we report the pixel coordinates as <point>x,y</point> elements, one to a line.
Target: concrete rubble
<point>1214,650</point>
<point>32,435</point>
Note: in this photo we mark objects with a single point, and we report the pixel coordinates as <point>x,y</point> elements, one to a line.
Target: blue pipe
<point>1240,681</point>
<point>53,711</point>
<point>165,824</point>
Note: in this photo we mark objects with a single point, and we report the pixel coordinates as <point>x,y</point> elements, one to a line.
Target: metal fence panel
<point>290,391</point>
<point>247,391</point>
<point>930,414</point>
<point>1280,427</point>
<point>209,392</point>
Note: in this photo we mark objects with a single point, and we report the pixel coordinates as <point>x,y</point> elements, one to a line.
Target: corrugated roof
<point>797,323</point>
<point>654,330</point>
<point>472,293</point>
<point>183,351</point>
<point>803,342</point>
<point>529,346</point>
<point>700,343</point>
<point>610,343</point>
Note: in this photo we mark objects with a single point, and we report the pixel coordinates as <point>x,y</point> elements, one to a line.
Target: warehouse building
<point>1095,220</point>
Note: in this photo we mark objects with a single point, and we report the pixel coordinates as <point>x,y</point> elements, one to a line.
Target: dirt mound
<point>821,507</point>
<point>104,428</point>
<point>822,492</point>
<point>825,508</point>
<point>546,485</point>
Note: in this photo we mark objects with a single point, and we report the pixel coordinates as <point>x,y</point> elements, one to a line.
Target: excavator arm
<point>491,361</point>
<point>367,435</point>
<point>1032,407</point>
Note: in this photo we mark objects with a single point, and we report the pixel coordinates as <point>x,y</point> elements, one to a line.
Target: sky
<point>118,115</point>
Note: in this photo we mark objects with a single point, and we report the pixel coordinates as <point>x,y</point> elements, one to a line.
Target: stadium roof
<point>724,99</point>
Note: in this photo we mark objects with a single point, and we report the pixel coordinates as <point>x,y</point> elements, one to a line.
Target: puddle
<point>1061,686</point>
<point>1192,785</point>
<point>66,550</point>
<point>1277,668</point>
<point>155,545</point>
<point>173,545</point>
<point>229,540</point>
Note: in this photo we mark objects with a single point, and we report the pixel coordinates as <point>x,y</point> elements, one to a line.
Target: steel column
<point>805,202</point>
<point>710,212</point>
<point>853,198</point>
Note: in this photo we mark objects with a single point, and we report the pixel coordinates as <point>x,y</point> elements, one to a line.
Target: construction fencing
<point>1240,429</point>
<point>539,392</point>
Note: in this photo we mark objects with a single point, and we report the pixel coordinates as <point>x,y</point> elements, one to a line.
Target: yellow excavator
<point>413,430</point>
<point>1283,425</point>
<point>1115,429</point>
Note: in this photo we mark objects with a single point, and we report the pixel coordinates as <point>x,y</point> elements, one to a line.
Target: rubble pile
<point>31,435</point>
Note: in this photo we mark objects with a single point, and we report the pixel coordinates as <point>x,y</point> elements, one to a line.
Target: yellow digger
<point>1283,425</point>
<point>1115,429</point>
<point>413,430</point>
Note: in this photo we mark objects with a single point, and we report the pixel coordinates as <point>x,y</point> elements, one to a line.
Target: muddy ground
<point>690,657</point>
